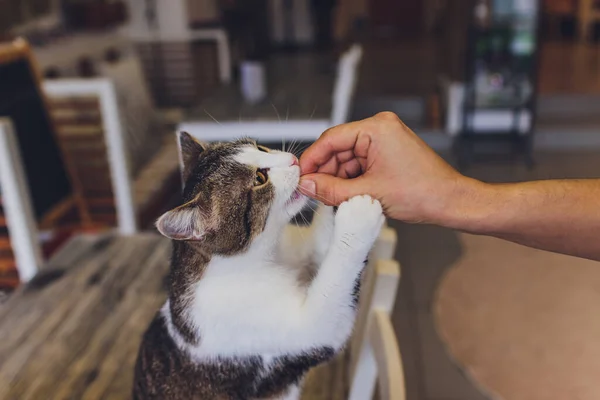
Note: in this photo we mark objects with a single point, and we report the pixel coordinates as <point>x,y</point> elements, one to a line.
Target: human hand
<point>381,157</point>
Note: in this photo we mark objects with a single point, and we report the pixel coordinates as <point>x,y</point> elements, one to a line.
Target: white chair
<point>373,355</point>
<point>345,85</point>
<point>374,351</point>
<point>271,130</point>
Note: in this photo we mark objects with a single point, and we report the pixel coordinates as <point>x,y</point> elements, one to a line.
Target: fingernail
<point>308,187</point>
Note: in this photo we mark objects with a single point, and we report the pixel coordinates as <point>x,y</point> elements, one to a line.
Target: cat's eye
<point>263,149</point>
<point>261,177</point>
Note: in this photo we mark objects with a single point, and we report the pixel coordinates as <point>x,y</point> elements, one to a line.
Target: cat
<point>254,302</point>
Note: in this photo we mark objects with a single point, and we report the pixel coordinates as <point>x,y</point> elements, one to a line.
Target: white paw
<point>358,223</point>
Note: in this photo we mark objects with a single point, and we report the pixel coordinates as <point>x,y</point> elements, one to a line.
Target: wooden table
<point>73,332</point>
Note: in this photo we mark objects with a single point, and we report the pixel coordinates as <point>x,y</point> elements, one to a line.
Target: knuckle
<point>328,133</point>
<point>387,116</point>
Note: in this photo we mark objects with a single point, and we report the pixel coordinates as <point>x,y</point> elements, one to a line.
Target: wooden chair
<point>373,355</point>
<point>89,125</point>
<point>121,187</point>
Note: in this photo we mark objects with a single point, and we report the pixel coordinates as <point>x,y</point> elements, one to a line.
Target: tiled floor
<point>425,253</point>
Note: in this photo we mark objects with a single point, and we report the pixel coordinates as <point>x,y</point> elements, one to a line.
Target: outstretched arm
<point>382,157</point>
<point>556,215</point>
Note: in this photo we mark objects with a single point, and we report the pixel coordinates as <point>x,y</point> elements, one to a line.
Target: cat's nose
<point>294,161</point>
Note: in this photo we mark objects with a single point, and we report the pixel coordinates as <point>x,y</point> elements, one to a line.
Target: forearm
<point>562,216</point>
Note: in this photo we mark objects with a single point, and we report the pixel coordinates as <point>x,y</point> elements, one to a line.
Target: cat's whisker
<point>287,114</point>
<point>304,218</point>
<point>321,198</point>
<point>313,113</point>
<point>291,149</point>
<point>213,118</point>
<point>276,112</point>
<point>313,207</point>
<point>316,213</point>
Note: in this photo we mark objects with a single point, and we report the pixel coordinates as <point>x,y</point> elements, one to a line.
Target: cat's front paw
<point>358,223</point>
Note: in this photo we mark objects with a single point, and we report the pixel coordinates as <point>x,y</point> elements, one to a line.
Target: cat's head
<point>233,193</point>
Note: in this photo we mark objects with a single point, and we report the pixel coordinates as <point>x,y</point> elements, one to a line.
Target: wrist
<point>468,205</point>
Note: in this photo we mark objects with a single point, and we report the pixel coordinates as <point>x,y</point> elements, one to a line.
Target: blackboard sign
<point>21,100</point>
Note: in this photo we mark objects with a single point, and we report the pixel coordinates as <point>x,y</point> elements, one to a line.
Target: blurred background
<point>93,91</point>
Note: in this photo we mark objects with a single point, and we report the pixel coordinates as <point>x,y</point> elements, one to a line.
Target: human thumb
<point>331,190</point>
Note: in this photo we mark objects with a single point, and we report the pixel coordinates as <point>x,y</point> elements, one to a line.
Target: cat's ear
<point>182,223</point>
<point>190,149</point>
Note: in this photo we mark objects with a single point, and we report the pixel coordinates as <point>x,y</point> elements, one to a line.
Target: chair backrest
<point>20,252</point>
<point>374,352</point>
<point>345,84</point>
<point>88,122</point>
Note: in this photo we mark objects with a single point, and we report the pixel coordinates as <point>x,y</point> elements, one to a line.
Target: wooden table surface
<point>73,332</point>
<point>300,87</point>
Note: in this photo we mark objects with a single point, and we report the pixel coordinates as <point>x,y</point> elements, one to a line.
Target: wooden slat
<point>75,131</point>
<point>102,202</point>
<point>9,282</point>
<point>86,145</point>
<point>83,103</point>
<point>99,163</point>
<point>6,254</point>
<point>107,219</point>
<point>83,140</point>
<point>50,219</point>
<point>5,242</point>
<point>7,264</point>
<point>75,114</point>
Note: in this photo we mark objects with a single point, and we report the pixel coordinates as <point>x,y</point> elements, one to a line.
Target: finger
<point>345,156</point>
<point>338,139</point>
<point>332,190</point>
<point>330,167</point>
<point>350,169</point>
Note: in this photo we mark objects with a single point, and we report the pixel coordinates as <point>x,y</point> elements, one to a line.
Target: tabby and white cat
<point>254,302</point>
